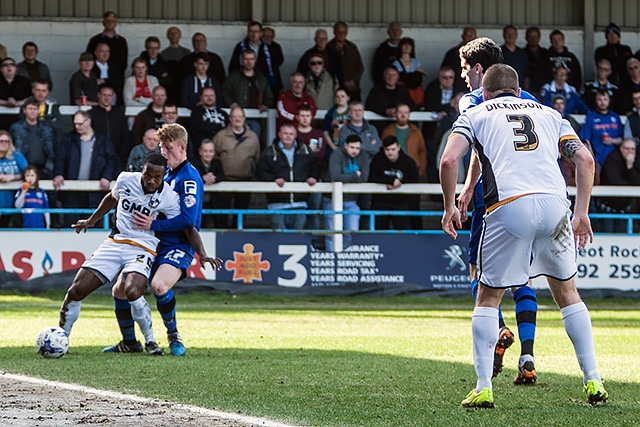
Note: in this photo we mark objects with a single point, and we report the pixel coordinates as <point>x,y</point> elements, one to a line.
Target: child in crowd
<point>30,196</point>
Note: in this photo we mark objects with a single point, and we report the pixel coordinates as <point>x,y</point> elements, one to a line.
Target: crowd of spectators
<point>342,147</point>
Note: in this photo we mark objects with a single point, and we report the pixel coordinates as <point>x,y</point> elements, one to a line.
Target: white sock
<point>484,326</point>
<point>526,358</point>
<point>69,313</point>
<point>577,323</point>
<point>141,313</point>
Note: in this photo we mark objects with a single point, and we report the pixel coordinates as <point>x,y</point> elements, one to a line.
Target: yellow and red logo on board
<point>247,266</point>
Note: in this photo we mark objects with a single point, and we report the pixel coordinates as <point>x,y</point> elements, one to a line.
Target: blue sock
<point>526,311</point>
<point>125,320</point>
<point>474,290</point>
<point>167,307</point>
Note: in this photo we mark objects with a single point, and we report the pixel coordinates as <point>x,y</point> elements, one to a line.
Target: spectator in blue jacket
<point>559,86</point>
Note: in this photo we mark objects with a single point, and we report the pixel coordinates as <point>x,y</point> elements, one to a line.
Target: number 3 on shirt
<point>530,142</point>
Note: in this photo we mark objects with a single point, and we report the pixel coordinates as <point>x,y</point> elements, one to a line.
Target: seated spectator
<point>391,166</point>
<point>14,90</point>
<point>170,113</point>
<point>109,120</point>
<point>384,99</point>
<point>335,118</point>
<point>602,129</point>
<point>320,84</point>
<point>289,101</point>
<point>30,67</point>
<point>557,55</point>
<point>591,88</point>
<point>621,167</point>
<point>211,171</point>
<point>30,196</point>
<point>332,60</point>
<point>107,73</point>
<point>559,104</point>
<point>194,83</point>
<point>238,148</point>
<point>347,164</point>
<point>634,117</point>
<point>83,86</point>
<point>559,86</point>
<point>410,69</point>
<point>84,155</point>
<point>628,86</point>
<point>150,117</point>
<point>618,54</point>
<point>287,160</point>
<point>12,164</point>
<point>206,121</point>
<point>357,125</point>
<point>409,138</point>
<point>351,66</point>
<point>537,56</point>
<point>150,144</point>
<point>268,60</point>
<point>117,44</point>
<point>174,52</point>
<point>386,53</point>
<point>48,109</point>
<point>139,86</point>
<point>35,139</point>
<point>186,66</point>
<point>156,64</point>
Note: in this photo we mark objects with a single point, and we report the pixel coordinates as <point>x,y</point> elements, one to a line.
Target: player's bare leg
<point>164,278</point>
<point>85,282</point>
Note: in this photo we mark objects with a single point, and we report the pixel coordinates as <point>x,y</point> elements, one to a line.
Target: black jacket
<point>383,171</point>
<point>115,127</point>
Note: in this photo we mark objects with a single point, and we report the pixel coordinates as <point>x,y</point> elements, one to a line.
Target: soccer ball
<point>52,342</point>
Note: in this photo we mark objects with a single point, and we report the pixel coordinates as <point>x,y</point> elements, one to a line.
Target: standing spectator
<point>634,117</point>
<point>12,163</point>
<point>289,101</point>
<point>118,45</point>
<point>591,88</point>
<point>48,109</point>
<point>30,67</point>
<point>83,86</point>
<point>109,120</point>
<point>187,63</point>
<point>268,60</point>
<point>351,66</point>
<point>391,166</point>
<point>537,56</point>
<point>602,129</point>
<point>269,35</point>
<point>621,167</point>
<point>206,121</point>
<point>347,164</point>
<point>332,60</point>
<point>193,84</point>
<point>452,59</point>
<point>410,69</point>
<point>211,171</point>
<point>108,74</point>
<point>138,87</point>
<point>409,139</point>
<point>174,52</point>
<point>515,56</point>
<point>84,155</point>
<point>150,117</point>
<point>618,54</point>
<point>559,86</point>
<point>34,139</point>
<point>287,160</point>
<point>384,99</point>
<point>150,144</point>
<point>320,84</point>
<point>30,196</point>
<point>357,125</point>
<point>156,64</point>
<point>628,86</point>
<point>14,90</point>
<point>557,55</point>
<point>238,148</point>
<point>336,117</point>
<point>386,53</point>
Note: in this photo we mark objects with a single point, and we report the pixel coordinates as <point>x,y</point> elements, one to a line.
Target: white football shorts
<point>527,237</point>
<point>110,258</point>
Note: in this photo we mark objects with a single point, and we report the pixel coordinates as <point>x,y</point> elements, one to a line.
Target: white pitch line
<point>113,394</point>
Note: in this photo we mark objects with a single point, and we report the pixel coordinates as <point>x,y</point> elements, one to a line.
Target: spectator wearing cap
<point>83,86</point>
<point>617,54</point>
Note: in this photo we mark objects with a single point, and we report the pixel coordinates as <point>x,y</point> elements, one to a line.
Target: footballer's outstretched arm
<point>196,242</point>
<point>107,203</point>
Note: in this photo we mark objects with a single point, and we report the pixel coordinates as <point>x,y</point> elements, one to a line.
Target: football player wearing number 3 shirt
<point>528,230</point>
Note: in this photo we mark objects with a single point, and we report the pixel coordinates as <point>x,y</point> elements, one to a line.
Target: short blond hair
<point>172,132</point>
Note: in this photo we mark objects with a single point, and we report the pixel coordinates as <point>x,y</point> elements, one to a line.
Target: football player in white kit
<point>527,230</point>
<point>127,249</point>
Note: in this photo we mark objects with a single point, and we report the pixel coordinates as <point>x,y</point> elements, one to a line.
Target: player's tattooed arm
<point>569,147</point>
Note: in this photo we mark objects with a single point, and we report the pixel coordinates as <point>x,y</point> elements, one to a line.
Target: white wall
<point>60,43</point>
